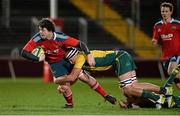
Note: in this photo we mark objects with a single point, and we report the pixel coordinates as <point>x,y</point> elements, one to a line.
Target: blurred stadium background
<point>101,24</point>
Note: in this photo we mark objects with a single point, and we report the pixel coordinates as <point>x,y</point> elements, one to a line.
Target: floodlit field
<point>33,97</point>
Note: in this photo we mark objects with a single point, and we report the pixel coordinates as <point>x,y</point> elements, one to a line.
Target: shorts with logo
<point>123,62</point>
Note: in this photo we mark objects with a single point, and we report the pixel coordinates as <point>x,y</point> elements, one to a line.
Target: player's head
<point>46,28</point>
<point>71,54</point>
<point>166,10</point>
<point>47,23</point>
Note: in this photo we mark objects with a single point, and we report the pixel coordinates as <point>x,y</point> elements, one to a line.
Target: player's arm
<point>82,47</point>
<point>72,77</point>
<point>29,56</point>
<point>90,58</point>
<point>26,51</point>
<point>156,37</point>
<point>78,63</point>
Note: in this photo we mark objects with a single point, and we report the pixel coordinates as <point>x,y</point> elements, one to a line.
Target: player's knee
<point>125,83</point>
<point>55,81</point>
<point>58,80</point>
<point>63,88</point>
<point>128,90</point>
<point>60,89</point>
<point>134,84</point>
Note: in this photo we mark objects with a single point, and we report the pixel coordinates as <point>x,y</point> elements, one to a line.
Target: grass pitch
<point>26,96</point>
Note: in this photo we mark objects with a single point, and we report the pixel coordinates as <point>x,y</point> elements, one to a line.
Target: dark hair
<point>167,4</point>
<point>47,23</point>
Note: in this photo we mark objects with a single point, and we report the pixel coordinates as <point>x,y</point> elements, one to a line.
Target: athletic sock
<point>149,95</point>
<point>97,87</point>
<point>162,90</point>
<point>176,100</point>
<point>68,99</point>
<point>170,81</point>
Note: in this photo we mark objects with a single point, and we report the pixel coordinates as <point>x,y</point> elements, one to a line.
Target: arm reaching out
<point>90,58</point>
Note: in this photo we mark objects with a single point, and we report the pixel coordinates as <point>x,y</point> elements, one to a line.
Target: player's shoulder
<point>36,37</point>
<point>81,56</point>
<point>160,22</point>
<point>175,21</point>
<point>60,36</point>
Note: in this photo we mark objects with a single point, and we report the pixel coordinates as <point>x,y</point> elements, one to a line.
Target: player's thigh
<point>173,62</point>
<point>60,68</point>
<point>124,64</point>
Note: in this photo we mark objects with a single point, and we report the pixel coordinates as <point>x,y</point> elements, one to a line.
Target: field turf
<point>30,96</point>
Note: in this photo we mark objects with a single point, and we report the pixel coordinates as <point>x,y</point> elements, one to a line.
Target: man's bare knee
<point>128,90</point>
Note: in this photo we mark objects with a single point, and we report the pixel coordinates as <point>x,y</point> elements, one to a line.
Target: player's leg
<point>147,86</point>
<point>94,84</point>
<point>130,91</point>
<point>125,68</point>
<point>125,63</point>
<point>67,94</point>
<point>172,69</point>
<point>176,101</point>
<point>60,70</point>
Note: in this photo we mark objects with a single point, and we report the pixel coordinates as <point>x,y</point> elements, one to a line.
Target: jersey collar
<point>172,19</point>
<point>54,35</point>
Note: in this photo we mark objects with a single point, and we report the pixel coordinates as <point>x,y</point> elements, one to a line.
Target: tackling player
<point>54,45</point>
<point>124,66</point>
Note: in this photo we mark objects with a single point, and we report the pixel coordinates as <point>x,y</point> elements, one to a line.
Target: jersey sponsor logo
<point>167,37</point>
<point>127,64</point>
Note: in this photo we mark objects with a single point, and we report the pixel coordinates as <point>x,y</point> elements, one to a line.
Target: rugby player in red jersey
<point>54,45</point>
<point>166,33</point>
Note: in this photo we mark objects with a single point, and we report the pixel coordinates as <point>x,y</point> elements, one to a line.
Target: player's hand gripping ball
<point>38,51</point>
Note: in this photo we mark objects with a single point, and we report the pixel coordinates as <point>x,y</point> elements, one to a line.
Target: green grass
<point>33,97</point>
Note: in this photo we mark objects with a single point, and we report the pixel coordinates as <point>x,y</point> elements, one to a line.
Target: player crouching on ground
<point>124,66</point>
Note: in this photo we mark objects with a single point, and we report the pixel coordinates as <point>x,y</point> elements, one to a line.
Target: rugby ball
<point>38,51</point>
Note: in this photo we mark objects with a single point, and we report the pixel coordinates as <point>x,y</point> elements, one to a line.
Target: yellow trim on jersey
<point>97,68</point>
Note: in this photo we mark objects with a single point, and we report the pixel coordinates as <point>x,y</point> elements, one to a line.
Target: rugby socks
<point>162,90</point>
<point>68,99</point>
<point>150,95</point>
<point>170,81</point>
<point>176,100</point>
<point>97,87</point>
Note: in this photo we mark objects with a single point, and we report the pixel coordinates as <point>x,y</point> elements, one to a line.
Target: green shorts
<point>124,63</point>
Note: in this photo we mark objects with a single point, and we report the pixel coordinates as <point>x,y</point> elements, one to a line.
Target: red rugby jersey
<point>168,36</point>
<point>55,48</point>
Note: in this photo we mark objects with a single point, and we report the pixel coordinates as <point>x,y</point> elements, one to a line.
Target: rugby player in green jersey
<point>124,66</point>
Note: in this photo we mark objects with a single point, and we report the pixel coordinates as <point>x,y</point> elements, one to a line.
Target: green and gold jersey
<point>103,59</point>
